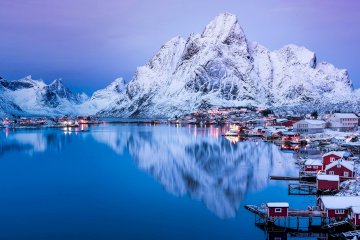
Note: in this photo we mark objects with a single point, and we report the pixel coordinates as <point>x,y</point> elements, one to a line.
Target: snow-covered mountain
<point>33,97</point>
<point>220,67</point>
<point>103,98</point>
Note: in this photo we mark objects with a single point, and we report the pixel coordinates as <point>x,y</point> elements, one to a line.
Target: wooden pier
<point>309,214</point>
<point>284,178</point>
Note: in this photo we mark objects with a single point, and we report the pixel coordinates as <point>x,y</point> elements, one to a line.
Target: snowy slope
<point>103,98</point>
<point>219,67</point>
<point>34,97</point>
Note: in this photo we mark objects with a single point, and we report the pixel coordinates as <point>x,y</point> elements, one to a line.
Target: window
<point>308,166</point>
<point>339,211</point>
<point>315,167</point>
<point>278,210</point>
<point>332,159</point>
<point>346,174</point>
<point>331,172</point>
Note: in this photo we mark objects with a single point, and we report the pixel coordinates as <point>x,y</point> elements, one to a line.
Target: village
<point>67,122</point>
<point>326,148</point>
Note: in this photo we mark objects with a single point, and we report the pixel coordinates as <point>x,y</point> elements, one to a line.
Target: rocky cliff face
<point>220,67</point>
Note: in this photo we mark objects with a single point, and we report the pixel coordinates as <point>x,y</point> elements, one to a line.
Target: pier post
<point>297,222</point>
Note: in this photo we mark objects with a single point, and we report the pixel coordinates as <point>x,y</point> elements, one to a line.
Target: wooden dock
<point>262,212</point>
<point>284,178</point>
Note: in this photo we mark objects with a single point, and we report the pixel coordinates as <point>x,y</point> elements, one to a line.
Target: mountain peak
<point>225,28</point>
<point>117,85</point>
<point>298,54</point>
<point>57,85</point>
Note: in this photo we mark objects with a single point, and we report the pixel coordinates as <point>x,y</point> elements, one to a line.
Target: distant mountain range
<point>217,68</point>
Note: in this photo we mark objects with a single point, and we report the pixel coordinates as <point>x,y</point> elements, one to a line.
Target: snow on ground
<point>351,187</point>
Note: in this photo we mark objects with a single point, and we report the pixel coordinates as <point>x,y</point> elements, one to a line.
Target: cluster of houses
<point>333,168</point>
<point>24,122</point>
<point>255,117</point>
<point>342,122</point>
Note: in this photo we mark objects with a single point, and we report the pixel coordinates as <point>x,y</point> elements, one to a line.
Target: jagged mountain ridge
<point>27,96</point>
<point>219,67</point>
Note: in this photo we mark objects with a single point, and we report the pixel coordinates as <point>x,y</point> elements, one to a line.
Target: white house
<point>343,122</point>
<point>309,126</point>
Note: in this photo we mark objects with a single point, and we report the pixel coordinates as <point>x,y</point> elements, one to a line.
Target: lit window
<point>339,211</point>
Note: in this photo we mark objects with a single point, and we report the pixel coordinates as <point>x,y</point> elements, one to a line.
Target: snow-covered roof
<point>289,133</point>
<point>355,210</point>
<point>281,120</point>
<point>328,177</point>
<point>278,204</point>
<point>338,153</point>
<point>345,115</point>
<point>313,162</point>
<point>340,202</point>
<point>314,122</point>
<point>348,164</point>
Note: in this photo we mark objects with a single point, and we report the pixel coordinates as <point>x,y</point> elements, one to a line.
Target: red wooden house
<point>355,216</point>
<point>290,137</point>
<point>334,156</point>
<point>338,206</point>
<point>313,165</point>
<point>343,168</point>
<point>327,182</point>
<point>277,209</point>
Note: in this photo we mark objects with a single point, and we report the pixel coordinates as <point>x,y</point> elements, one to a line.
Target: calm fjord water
<point>136,182</point>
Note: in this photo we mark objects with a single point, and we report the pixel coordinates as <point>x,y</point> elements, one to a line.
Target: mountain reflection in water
<point>187,161</point>
<point>207,167</point>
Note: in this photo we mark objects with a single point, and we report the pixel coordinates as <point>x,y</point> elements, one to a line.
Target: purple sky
<point>91,42</point>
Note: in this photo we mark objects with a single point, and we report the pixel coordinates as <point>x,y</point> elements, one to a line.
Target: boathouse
<point>355,216</point>
<point>313,165</point>
<point>334,156</point>
<point>343,168</point>
<point>277,209</point>
<point>338,206</point>
<point>327,182</point>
